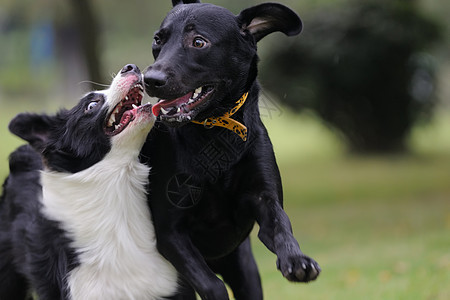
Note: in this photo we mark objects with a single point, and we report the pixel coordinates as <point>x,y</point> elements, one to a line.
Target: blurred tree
<point>77,41</point>
<point>89,37</point>
<point>362,69</point>
<point>51,45</point>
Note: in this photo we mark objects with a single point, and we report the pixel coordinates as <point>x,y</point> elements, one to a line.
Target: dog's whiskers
<point>93,82</point>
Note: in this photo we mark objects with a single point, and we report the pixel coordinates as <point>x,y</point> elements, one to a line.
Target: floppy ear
<point>176,2</point>
<point>33,128</point>
<point>260,20</point>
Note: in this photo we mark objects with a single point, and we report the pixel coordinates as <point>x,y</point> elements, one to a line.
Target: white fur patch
<point>104,211</point>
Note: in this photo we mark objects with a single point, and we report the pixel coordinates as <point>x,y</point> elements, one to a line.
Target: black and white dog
<point>78,226</point>
<point>214,171</point>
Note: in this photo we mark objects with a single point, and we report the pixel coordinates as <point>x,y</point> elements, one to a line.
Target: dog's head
<point>205,57</point>
<point>75,139</point>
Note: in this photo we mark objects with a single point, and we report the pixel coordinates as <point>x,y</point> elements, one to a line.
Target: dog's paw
<point>299,268</point>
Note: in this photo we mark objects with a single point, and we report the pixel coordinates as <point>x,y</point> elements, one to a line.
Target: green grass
<point>374,237</point>
<point>378,226</point>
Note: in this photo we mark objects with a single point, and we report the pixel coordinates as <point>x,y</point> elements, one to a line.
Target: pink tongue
<point>126,117</point>
<point>156,109</point>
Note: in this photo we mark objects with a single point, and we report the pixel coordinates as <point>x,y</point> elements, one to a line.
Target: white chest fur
<point>104,211</point>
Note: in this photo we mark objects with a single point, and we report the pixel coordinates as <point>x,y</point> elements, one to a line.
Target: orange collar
<point>227,122</point>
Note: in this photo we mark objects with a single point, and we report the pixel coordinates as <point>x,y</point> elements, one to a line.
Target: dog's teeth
<point>113,118</point>
<point>117,127</point>
<point>178,109</point>
<point>198,91</point>
<point>134,106</point>
<point>195,95</point>
<point>188,117</point>
<point>110,123</point>
<point>191,101</point>
<point>164,111</point>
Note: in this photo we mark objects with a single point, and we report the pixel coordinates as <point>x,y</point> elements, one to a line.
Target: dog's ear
<point>263,19</point>
<point>33,128</point>
<point>176,2</point>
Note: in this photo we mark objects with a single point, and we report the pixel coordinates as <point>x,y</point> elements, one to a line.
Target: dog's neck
<point>227,122</point>
<point>103,210</point>
<point>107,184</point>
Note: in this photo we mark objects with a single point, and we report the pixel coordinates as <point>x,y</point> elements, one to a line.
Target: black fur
<point>69,141</point>
<point>33,250</point>
<point>208,187</point>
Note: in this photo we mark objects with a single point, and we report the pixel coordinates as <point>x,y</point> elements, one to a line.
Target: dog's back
<point>21,185</point>
<point>22,182</point>
<point>18,213</point>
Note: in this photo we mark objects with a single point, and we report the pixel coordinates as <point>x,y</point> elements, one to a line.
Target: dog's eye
<point>199,43</point>
<point>91,105</point>
<point>156,40</point>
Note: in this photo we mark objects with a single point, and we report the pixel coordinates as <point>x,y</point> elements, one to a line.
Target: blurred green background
<point>377,222</point>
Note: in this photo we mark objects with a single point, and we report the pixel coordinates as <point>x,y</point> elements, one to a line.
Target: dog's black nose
<point>130,68</point>
<point>155,78</point>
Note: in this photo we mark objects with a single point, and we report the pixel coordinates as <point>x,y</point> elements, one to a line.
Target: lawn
<point>378,226</point>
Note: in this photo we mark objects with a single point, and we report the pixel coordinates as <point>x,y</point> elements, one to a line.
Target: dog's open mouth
<point>124,112</point>
<point>182,109</point>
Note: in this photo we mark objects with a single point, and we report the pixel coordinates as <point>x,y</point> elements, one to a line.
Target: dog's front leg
<point>264,199</point>
<point>185,257</point>
<point>276,233</point>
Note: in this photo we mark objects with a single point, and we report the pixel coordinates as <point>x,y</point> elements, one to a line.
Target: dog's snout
<point>155,78</point>
<point>130,68</point>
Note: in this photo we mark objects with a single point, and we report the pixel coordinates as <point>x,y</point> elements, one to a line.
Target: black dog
<point>86,233</point>
<point>213,168</point>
